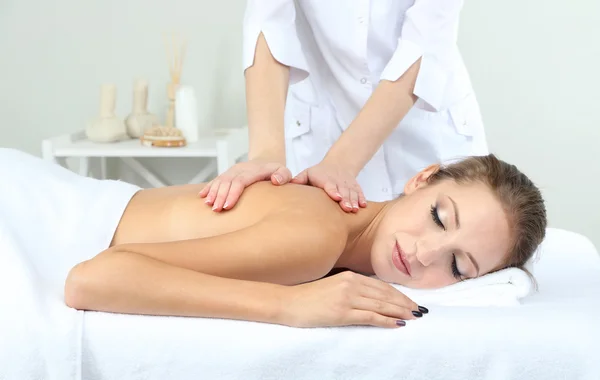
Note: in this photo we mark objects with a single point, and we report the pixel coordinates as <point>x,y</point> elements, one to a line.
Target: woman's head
<point>459,221</point>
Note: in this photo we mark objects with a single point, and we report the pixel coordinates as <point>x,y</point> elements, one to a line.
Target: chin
<point>385,270</point>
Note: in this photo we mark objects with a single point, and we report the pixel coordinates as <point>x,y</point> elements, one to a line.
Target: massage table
<point>553,333</point>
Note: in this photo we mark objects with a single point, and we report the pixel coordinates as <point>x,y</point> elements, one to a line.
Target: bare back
<point>177,212</point>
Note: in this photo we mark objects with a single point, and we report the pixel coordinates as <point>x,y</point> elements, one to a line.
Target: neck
<point>362,227</point>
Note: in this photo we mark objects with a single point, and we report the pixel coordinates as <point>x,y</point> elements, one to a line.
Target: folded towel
<point>502,288</point>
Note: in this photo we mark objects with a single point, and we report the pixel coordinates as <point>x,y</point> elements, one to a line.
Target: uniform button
<point>298,123</point>
<point>385,189</point>
<point>363,80</point>
<point>361,20</point>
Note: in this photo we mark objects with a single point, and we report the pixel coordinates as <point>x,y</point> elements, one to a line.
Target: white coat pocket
<point>463,136</point>
<point>462,116</point>
<point>306,131</point>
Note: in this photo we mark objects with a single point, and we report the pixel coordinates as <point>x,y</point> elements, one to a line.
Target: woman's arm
<point>213,276</point>
<point>131,283</point>
<point>286,249</point>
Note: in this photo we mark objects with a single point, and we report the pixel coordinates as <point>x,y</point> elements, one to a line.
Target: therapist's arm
<point>428,28</point>
<point>424,49</point>
<point>267,83</point>
<point>386,107</point>
<point>273,59</point>
<point>266,90</point>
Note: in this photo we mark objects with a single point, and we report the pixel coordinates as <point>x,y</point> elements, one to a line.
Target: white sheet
<point>554,334</point>
<point>50,220</point>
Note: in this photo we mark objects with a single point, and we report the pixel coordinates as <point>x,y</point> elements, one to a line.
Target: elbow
<point>77,287</point>
<point>87,282</point>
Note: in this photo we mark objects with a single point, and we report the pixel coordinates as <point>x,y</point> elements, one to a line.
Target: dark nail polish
<point>400,323</point>
<point>423,310</point>
<point>417,314</point>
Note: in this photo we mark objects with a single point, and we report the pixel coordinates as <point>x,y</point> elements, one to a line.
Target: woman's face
<point>439,234</point>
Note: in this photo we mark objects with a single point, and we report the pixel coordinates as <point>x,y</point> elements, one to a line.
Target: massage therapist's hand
<point>347,299</point>
<point>339,183</point>
<point>224,191</point>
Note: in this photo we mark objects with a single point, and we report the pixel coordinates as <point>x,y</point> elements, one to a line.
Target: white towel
<point>50,220</point>
<point>502,288</point>
<point>40,336</point>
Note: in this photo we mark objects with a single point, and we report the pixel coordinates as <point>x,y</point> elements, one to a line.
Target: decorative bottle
<point>107,127</point>
<point>140,120</point>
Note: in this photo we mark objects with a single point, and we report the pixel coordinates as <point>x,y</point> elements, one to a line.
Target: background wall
<point>534,66</point>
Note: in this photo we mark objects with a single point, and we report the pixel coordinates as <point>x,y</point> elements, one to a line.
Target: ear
<point>420,179</point>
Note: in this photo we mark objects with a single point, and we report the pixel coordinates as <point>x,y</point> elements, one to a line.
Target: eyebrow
<point>457,220</point>
<point>473,262</point>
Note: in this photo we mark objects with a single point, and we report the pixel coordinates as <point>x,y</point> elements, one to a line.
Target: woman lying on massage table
<point>171,255</point>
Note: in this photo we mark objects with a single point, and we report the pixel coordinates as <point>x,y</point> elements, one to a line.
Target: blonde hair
<point>521,199</point>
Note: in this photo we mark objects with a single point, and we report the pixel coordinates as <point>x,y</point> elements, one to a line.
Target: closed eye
<point>436,217</point>
<point>455,272</point>
<point>453,266</point>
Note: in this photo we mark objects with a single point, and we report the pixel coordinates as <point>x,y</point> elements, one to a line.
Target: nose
<point>429,250</point>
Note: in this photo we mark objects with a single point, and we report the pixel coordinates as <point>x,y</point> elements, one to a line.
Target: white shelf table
<point>224,146</point>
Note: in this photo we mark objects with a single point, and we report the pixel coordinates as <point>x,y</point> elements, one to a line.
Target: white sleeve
<point>429,33</point>
<point>276,19</point>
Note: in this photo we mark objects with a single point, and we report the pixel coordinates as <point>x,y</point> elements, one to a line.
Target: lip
<point>399,260</point>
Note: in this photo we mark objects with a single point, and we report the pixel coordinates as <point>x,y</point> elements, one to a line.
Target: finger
<point>238,185</point>
<point>302,178</point>
<point>382,308</point>
<point>204,192</point>
<point>369,318</point>
<point>345,202</point>
<point>281,176</point>
<point>362,201</point>
<point>404,308</point>
<point>235,191</point>
<point>332,190</point>
<point>388,292</point>
<point>354,200</point>
<point>212,193</point>
<point>221,196</point>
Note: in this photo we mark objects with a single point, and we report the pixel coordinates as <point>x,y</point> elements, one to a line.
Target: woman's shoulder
<point>307,207</point>
<point>301,199</point>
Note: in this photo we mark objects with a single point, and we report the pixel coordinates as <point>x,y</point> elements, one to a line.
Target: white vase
<point>107,127</point>
<point>186,113</point>
<point>140,120</point>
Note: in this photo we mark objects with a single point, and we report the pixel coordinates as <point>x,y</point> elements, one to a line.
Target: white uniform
<point>339,50</point>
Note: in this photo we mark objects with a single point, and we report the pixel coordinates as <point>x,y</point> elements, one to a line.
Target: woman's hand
<point>340,184</point>
<point>346,299</point>
<point>224,191</point>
